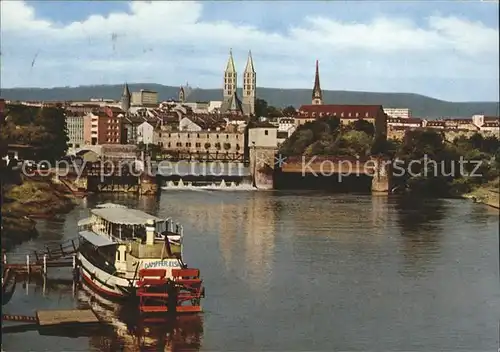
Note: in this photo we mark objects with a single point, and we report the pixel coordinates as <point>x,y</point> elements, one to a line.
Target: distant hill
<point>420,105</point>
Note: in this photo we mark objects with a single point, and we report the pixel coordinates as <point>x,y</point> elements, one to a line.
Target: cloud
<point>169,42</point>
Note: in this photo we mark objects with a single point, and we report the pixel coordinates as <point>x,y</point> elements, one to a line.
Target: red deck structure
<point>181,294</point>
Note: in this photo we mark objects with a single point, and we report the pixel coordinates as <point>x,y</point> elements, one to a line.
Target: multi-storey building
<point>398,113</point>
<point>202,141</point>
<point>144,98</point>
<point>75,127</point>
<point>346,113</point>
<point>103,126</point>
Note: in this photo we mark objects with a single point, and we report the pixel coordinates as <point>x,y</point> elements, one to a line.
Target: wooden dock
<point>67,323</point>
<point>48,318</point>
<point>52,318</point>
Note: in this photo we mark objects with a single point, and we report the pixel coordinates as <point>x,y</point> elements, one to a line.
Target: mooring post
<point>45,264</point>
<point>44,287</point>
<point>28,263</point>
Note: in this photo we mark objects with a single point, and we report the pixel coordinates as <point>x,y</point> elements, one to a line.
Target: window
<point>227,136</point>
<point>217,136</point>
<point>349,115</point>
<point>266,132</point>
<point>357,114</point>
<point>366,114</point>
<point>341,114</point>
<point>169,144</point>
<point>188,135</point>
<point>198,135</point>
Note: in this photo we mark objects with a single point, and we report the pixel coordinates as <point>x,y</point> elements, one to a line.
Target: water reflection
<point>259,241</point>
<point>129,333</point>
<point>420,221</point>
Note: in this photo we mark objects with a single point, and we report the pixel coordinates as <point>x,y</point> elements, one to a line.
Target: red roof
<point>344,111</point>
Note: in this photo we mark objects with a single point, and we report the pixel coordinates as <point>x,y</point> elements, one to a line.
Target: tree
<point>289,111</point>
<point>364,126</point>
<point>44,128</point>
<point>260,108</point>
<point>273,112</point>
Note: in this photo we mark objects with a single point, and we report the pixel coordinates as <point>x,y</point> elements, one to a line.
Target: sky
<point>447,50</point>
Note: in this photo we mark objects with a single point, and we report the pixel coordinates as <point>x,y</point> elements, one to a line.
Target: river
<point>297,271</point>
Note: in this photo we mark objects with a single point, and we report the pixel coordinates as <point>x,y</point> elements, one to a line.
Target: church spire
<point>230,63</point>
<point>249,68</point>
<point>126,97</point>
<point>229,77</point>
<point>317,96</point>
<point>249,86</point>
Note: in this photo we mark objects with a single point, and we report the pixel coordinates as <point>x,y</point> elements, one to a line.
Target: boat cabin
<point>122,237</point>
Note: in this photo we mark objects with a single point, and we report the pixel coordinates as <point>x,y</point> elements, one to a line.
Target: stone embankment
<point>29,200</point>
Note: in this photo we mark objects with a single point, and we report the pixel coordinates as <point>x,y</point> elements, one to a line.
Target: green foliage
<point>44,128</point>
<point>289,111</point>
<point>260,107</point>
<point>326,136</point>
<point>437,166</point>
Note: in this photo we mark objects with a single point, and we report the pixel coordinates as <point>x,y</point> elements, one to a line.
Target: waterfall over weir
<point>222,186</point>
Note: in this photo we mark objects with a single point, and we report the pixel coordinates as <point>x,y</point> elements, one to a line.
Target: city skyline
<point>439,51</point>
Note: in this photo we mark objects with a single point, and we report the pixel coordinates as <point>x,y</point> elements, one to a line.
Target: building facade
<point>202,141</point>
<point>75,126</point>
<point>263,136</point>
<point>347,115</point>
<point>398,113</point>
<point>144,98</point>
<point>103,126</point>
<point>145,133</point>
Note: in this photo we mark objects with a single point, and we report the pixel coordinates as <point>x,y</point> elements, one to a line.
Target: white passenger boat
<point>117,243</point>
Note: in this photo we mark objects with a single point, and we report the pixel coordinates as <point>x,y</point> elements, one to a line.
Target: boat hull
<point>104,283</point>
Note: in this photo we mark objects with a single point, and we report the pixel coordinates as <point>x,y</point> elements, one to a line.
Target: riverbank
<point>28,201</point>
<point>487,194</point>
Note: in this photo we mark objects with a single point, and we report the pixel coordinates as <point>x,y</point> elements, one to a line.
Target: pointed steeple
<point>230,63</point>
<point>249,68</point>
<point>317,96</point>
<point>230,77</point>
<point>126,98</point>
<point>126,91</point>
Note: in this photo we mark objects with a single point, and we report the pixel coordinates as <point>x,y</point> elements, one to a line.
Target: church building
<point>231,102</point>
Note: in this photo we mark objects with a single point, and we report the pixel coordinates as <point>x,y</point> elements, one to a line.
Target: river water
<point>304,271</point>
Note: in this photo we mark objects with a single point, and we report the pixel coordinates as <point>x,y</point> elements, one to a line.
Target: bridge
<point>268,168</point>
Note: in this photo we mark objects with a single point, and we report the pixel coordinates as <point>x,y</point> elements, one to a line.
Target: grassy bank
<point>487,194</point>
<point>28,200</point>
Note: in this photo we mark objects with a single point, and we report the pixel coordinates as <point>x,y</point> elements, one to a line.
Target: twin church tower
<point>231,101</point>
